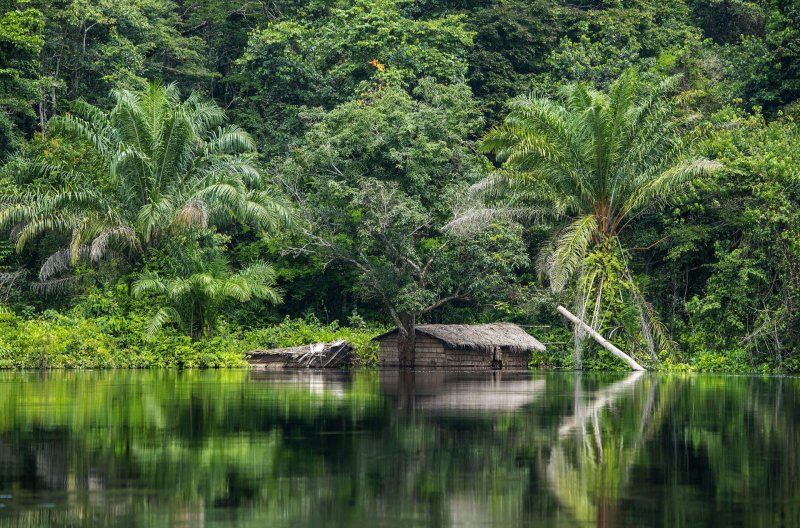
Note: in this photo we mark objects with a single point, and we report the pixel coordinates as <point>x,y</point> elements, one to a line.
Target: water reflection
<point>395,448</point>
<point>460,393</point>
<point>590,463</point>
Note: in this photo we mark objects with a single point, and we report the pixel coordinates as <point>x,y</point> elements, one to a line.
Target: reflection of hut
<point>461,392</point>
<point>499,345</point>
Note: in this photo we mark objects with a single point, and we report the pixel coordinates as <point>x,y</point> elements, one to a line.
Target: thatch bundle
<point>318,355</point>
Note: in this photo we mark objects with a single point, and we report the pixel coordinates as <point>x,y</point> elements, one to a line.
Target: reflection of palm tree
<point>95,429</point>
<point>589,486</point>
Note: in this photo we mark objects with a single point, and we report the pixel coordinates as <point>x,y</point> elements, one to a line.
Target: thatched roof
<point>485,337</point>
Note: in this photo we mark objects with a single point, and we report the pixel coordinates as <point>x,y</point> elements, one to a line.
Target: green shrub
<point>96,334</point>
<point>559,352</point>
<point>730,361</point>
<point>595,358</point>
<point>60,341</point>
<point>667,363</point>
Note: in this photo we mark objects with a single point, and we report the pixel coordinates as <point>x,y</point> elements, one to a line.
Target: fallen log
<point>600,339</point>
<point>318,355</point>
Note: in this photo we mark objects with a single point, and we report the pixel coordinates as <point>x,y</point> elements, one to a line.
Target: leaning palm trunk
<point>600,339</point>
<point>591,163</point>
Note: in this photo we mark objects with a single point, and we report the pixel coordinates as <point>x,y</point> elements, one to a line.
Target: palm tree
<point>195,302</point>
<point>170,164</point>
<point>593,162</point>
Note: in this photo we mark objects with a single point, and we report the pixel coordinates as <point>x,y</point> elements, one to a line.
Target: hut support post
<point>600,339</point>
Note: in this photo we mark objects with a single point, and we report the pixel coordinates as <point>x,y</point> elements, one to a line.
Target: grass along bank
<point>54,340</point>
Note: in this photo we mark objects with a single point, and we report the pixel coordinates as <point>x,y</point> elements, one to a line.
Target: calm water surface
<point>381,449</point>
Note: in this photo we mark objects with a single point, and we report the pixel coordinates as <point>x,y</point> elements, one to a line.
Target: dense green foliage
<point>167,164</point>
<point>217,166</point>
<point>591,165</point>
<point>100,333</point>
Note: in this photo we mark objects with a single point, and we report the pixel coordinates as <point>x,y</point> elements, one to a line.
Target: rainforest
<point>182,181</point>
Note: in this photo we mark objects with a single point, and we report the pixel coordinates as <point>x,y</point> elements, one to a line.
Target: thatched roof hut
<point>498,345</point>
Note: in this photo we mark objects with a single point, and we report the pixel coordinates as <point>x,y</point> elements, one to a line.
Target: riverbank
<point>79,340</point>
<point>54,340</point>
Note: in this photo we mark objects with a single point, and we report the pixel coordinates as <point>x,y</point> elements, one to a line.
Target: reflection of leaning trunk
<point>605,397</point>
<point>589,487</point>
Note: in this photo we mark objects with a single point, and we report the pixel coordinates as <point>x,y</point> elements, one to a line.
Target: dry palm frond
<point>61,261</point>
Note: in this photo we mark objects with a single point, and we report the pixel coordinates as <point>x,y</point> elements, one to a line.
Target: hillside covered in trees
<point>183,179</point>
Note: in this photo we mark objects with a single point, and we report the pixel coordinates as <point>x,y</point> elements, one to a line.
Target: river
<point>397,449</point>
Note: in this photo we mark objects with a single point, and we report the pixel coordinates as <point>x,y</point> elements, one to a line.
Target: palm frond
<point>174,147</point>
<point>159,319</point>
<point>55,286</point>
<point>267,211</point>
<point>61,261</point>
<point>102,243</point>
<point>260,279</point>
<point>193,213</point>
<point>203,114</point>
<point>83,129</point>
<point>154,215</point>
<point>149,283</point>
<point>654,331</point>
<point>476,219</point>
<point>569,250</point>
<point>668,184</point>
<point>242,167</point>
<point>230,140</point>
<point>63,223</point>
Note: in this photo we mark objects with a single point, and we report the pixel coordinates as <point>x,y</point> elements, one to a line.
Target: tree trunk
<point>406,340</point>
<point>600,339</point>
<point>43,114</point>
